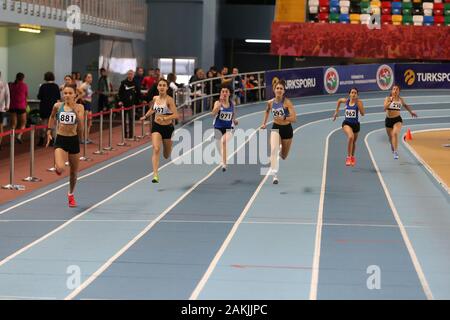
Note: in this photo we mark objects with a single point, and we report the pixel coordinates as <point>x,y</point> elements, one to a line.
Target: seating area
<point>406,12</point>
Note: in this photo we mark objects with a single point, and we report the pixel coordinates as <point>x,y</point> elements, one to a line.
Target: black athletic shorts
<point>286,131</point>
<point>223,130</point>
<point>390,122</point>
<point>87,106</point>
<point>356,127</point>
<point>165,131</point>
<point>1,117</point>
<point>70,145</point>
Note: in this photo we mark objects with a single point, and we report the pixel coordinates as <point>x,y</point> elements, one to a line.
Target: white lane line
<point>316,261</point>
<point>201,284</point>
<point>225,244</point>
<point>107,264</point>
<point>423,162</point>
<point>25,298</point>
<point>232,222</point>
<point>409,246</point>
<point>191,121</point>
<point>318,241</point>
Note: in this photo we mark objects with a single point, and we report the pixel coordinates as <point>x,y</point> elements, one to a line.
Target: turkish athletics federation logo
<point>385,77</point>
<point>331,80</point>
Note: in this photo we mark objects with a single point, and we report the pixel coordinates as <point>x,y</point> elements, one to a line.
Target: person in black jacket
<point>48,95</point>
<point>129,95</point>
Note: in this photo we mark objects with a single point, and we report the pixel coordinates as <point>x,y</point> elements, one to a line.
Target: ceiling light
<point>257,41</point>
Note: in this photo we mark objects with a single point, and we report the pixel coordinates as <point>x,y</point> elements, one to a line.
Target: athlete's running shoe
<point>275,180</point>
<point>72,202</point>
<point>155,179</point>
<point>396,157</point>
<point>348,161</point>
<point>353,159</point>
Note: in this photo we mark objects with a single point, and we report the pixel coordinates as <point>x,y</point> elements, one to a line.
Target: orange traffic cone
<point>408,136</point>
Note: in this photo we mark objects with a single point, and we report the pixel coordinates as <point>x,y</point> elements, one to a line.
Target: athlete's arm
<point>342,100</point>
<point>361,108</point>
<point>80,92</point>
<point>387,102</point>
<point>216,108</point>
<point>150,111</point>
<point>80,116</point>
<point>266,115</point>
<point>407,107</point>
<point>51,122</point>
<point>235,121</point>
<point>292,113</point>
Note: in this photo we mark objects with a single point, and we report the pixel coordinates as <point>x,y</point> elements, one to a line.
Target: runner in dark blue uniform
<point>351,125</point>
<point>224,122</point>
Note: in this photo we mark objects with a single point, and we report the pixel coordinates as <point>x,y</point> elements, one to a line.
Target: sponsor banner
<point>360,41</point>
<point>423,76</point>
<point>372,77</point>
<point>299,82</point>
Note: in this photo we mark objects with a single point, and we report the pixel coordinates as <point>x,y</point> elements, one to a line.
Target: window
<point>182,67</point>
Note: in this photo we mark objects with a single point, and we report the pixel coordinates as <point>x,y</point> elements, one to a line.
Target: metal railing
<point>125,15</point>
<point>199,96</point>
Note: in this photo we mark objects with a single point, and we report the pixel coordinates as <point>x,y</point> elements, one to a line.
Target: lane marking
<point>319,225</point>
<point>107,264</point>
<point>412,253</point>
<point>201,284</point>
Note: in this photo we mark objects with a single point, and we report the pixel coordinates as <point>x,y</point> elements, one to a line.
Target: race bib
<point>67,118</point>
<point>351,114</point>
<point>395,106</point>
<point>226,116</point>
<point>278,113</point>
<point>159,110</point>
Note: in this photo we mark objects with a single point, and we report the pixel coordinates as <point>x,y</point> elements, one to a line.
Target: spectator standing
<point>104,90</point>
<point>49,94</point>
<point>173,85</point>
<point>128,96</point>
<point>238,87</point>
<point>85,93</point>
<point>138,79</point>
<point>153,92</point>
<point>149,80</point>
<point>18,106</point>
